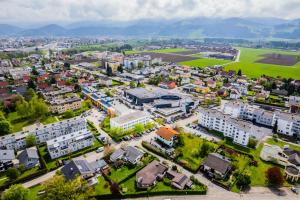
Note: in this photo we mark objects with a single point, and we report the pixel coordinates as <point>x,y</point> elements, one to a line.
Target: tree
<point>275,127</point>
<point>23,109</point>
<point>34,71</point>
<point>30,140</point>
<point>139,128</point>
<point>252,143</point>
<point>69,114</point>
<point>59,188</point>
<point>29,94</point>
<point>67,66</point>
<point>140,65</point>
<point>12,173</point>
<point>77,88</point>
<point>109,71</point>
<point>132,84</point>
<point>5,127</point>
<point>239,72</point>
<point>243,180</point>
<point>15,192</point>
<point>31,84</point>
<point>204,149</point>
<point>274,177</point>
<point>120,68</point>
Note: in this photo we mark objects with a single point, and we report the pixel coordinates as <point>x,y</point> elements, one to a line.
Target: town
<point>137,123</point>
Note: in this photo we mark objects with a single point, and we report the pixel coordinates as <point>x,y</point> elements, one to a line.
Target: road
<point>214,192</point>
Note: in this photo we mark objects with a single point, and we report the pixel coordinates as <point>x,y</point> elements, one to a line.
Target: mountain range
<point>244,28</point>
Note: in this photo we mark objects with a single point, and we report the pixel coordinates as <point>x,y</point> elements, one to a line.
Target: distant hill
<point>244,28</point>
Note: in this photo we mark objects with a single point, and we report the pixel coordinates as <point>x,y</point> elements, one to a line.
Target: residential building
<point>7,159</point>
<point>61,105</point>
<point>239,130</point>
<point>287,123</point>
<point>132,61</point>
<point>148,176</point>
<point>77,167</point>
<point>43,133</point>
<point>130,120</point>
<point>179,180</point>
<point>167,136</point>
<point>69,143</point>
<point>216,165</point>
<point>128,154</point>
<point>29,157</point>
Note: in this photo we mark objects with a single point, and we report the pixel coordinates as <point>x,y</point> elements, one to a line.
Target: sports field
<point>250,66</point>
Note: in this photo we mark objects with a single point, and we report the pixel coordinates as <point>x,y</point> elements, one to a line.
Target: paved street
<point>214,191</point>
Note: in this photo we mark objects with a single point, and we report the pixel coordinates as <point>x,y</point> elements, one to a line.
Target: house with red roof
<point>3,84</point>
<point>167,136</point>
<point>168,85</point>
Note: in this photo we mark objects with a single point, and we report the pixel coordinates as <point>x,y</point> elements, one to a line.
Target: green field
<point>205,62</point>
<point>170,50</point>
<point>252,69</point>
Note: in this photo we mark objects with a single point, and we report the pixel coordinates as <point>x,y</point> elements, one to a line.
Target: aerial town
<point>94,117</point>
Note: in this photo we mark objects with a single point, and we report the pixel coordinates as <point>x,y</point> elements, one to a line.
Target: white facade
<point>240,131</point>
<point>128,121</point>
<point>43,133</point>
<point>69,143</point>
<point>288,123</point>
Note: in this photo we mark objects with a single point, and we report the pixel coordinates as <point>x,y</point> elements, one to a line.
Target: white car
<point>100,149</point>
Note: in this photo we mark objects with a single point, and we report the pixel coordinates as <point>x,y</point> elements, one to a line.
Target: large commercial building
<point>69,143</point>
<point>239,130</point>
<point>129,120</point>
<point>43,133</point>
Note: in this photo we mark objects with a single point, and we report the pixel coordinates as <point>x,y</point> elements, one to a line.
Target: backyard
<point>188,154</point>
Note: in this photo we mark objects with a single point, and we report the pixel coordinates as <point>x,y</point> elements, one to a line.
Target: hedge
<point>149,194</point>
<point>154,150</point>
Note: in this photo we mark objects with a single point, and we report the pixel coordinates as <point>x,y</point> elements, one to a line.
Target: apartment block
<point>69,143</point>
<point>239,130</point>
<point>43,133</point>
<point>61,105</point>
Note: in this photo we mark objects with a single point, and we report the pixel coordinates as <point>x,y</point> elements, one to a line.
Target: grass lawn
<point>32,195</point>
<point>120,174</point>
<point>282,143</point>
<point>102,187</point>
<point>190,151</point>
<point>205,62</point>
<point>3,180</point>
<point>18,123</point>
<point>252,69</point>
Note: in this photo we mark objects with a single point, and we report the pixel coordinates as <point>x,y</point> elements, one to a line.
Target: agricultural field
<point>204,62</point>
<point>272,62</point>
<point>168,57</point>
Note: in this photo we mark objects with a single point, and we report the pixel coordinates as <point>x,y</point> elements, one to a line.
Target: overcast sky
<point>68,11</point>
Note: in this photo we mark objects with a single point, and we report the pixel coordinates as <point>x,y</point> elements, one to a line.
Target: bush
<point>252,143</point>
<point>167,182</point>
<point>12,173</point>
<point>274,177</point>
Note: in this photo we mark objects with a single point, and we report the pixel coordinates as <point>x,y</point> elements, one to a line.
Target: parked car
<point>294,189</point>
<point>100,149</point>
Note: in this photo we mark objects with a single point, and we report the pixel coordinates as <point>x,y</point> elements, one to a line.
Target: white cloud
<point>32,11</point>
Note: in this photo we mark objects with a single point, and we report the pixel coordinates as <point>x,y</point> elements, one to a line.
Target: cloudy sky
<point>68,11</point>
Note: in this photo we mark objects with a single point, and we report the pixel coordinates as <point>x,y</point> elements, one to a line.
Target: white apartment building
<point>129,120</point>
<point>240,131</point>
<point>69,143</point>
<point>43,133</point>
<point>132,61</point>
<point>288,123</point>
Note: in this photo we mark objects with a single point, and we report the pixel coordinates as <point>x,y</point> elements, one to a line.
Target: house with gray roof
<point>76,168</point>
<point>29,157</point>
<point>7,159</point>
<point>128,154</point>
<point>216,165</point>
